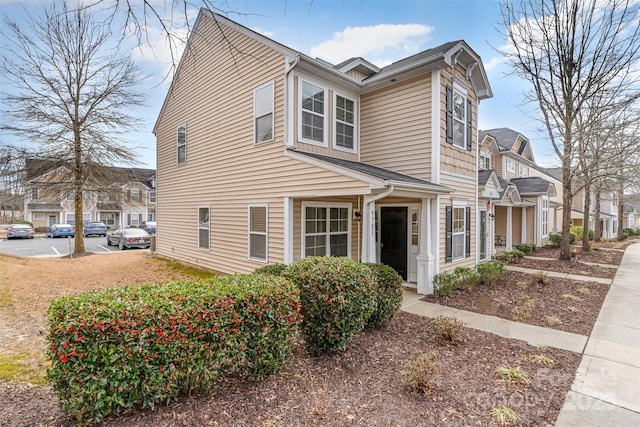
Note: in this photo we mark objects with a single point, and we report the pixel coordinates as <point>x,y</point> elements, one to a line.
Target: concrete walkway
<point>606,390</point>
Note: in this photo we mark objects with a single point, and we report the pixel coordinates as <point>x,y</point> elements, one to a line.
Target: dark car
<point>23,231</point>
<point>95,228</point>
<point>149,227</point>
<point>126,238</point>
<point>60,230</point>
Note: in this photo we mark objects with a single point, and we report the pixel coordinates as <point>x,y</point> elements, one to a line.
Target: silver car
<point>126,238</point>
<point>22,231</point>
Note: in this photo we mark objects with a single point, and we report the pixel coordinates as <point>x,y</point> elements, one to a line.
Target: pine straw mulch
<point>363,386</point>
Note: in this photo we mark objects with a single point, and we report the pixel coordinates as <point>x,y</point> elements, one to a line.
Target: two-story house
<point>120,197</point>
<point>266,155</point>
<point>522,212</point>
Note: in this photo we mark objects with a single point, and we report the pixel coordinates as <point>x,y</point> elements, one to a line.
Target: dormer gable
<point>358,68</point>
<point>511,142</point>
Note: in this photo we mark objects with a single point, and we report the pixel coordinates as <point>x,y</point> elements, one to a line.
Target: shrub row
<point>511,257</point>
<point>489,273</point>
<point>118,348</point>
<point>579,231</point>
<point>556,239</point>
<point>527,248</point>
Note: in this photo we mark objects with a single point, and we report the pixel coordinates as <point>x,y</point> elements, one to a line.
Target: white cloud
<point>265,33</point>
<point>380,44</point>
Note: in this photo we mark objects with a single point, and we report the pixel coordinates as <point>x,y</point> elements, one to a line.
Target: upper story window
<point>35,193</point>
<point>511,165</point>
<point>312,113</point>
<point>181,144</point>
<point>86,195</point>
<point>263,113</point>
<point>134,195</point>
<point>152,196</point>
<point>523,171</point>
<point>485,160</point>
<point>459,117</point>
<point>344,127</point>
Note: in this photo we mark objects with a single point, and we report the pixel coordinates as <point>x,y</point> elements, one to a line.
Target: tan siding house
<point>266,155</point>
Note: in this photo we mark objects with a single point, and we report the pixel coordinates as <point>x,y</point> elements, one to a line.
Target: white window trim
<point>355,122</point>
<point>303,226</point>
<point>272,112</point>
<point>265,233</point>
<point>461,90</point>
<point>154,194</point>
<point>458,204</point>
<point>302,80</point>
<point>511,162</point>
<point>544,221</point>
<point>485,155</point>
<point>198,227</point>
<point>523,170</point>
<point>184,125</point>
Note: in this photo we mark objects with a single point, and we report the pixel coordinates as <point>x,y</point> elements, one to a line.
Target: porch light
<point>358,215</point>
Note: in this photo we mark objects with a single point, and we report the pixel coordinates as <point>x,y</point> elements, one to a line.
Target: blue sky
<point>379,31</point>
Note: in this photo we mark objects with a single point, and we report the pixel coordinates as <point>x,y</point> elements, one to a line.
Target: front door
<point>393,238</point>
<point>52,219</point>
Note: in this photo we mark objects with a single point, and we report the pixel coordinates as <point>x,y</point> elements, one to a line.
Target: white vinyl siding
<point>258,219</point>
<point>312,113</point>
<point>181,144</point>
<point>344,127</point>
<point>326,230</point>
<point>263,113</point>
<point>204,229</point>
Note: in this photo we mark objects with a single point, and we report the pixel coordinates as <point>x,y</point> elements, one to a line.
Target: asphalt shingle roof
<point>505,137</point>
<point>531,185</point>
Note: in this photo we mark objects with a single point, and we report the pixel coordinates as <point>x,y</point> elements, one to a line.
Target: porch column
<point>425,256</point>
<point>369,231</point>
<point>523,232</point>
<point>288,230</point>
<point>509,239</point>
<point>555,220</point>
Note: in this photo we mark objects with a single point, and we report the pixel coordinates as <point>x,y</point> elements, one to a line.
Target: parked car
<point>94,228</point>
<point>126,238</point>
<point>60,230</point>
<point>23,231</point>
<point>149,227</point>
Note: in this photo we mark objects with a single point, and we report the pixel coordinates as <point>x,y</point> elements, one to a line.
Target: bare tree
<point>573,52</point>
<point>73,95</point>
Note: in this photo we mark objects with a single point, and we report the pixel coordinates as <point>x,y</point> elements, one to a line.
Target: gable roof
<point>389,177</point>
<point>484,175</point>
<point>506,139</point>
<point>555,173</point>
<point>533,186</point>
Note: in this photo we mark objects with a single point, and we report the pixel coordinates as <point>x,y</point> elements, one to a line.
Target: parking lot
<point>42,246</point>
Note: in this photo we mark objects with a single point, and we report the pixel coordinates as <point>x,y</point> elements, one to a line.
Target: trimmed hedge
<point>115,349</point>
<point>492,272</point>
<point>271,269</point>
<point>388,294</point>
<point>337,296</point>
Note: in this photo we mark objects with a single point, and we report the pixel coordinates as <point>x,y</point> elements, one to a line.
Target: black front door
<point>393,239</point>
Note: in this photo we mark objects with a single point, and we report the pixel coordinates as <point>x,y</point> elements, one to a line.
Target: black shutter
<point>467,235</point>
<point>449,115</point>
<point>447,244</point>
<point>469,128</point>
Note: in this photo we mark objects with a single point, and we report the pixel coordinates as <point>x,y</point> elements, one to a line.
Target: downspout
<point>288,201</point>
<point>288,69</point>
<point>368,221</point>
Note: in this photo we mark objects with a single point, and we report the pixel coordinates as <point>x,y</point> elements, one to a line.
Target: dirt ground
<point>362,386</point>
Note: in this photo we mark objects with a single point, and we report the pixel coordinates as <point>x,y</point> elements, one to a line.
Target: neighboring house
<point>266,155</point>
<point>123,197</point>
<point>522,210</point>
<point>11,208</point>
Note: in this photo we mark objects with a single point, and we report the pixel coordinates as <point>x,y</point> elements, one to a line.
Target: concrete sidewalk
<point>606,390</point>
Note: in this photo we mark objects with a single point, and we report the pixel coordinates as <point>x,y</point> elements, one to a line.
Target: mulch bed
<point>362,386</point>
<point>575,304</point>
<point>566,266</point>
<point>600,256</point>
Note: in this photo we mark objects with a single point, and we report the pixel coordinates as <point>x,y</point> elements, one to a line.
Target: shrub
<point>492,272</point>
<point>523,311</point>
<point>337,297</point>
<point>447,328</point>
<point>512,375</point>
<point>421,372</point>
<point>444,284</point>
<point>630,231</point>
<point>540,278</point>
<point>556,239</point>
<point>271,269</point>
<point>388,291</point>
<point>119,348</point>
<point>40,229</point>
<point>504,416</point>
<point>518,253</point>
<point>578,231</point>
<point>625,235</point>
<point>526,247</point>
<point>553,320</point>
<point>467,277</point>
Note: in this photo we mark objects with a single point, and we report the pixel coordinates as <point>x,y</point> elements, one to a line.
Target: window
<point>545,216</point>
<point>70,195</point>
<point>523,171</point>
<point>86,195</point>
<point>263,114</point>
<point>135,195</point>
<point>459,118</point>
<point>152,196</point>
<point>37,215</point>
<point>203,228</point>
<point>258,233</point>
<point>511,165</point>
<point>485,160</point>
<point>326,230</point>
<point>71,219</point>
<point>458,229</point>
<point>312,107</point>
<point>344,137</point>
<point>181,142</point>
<point>150,216</point>
<point>134,218</point>
<point>34,194</point>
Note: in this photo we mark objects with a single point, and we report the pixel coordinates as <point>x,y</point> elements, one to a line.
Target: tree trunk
<point>620,211</point>
<point>585,219</point>
<point>597,227</point>
<point>567,198</point>
<point>78,184</point>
